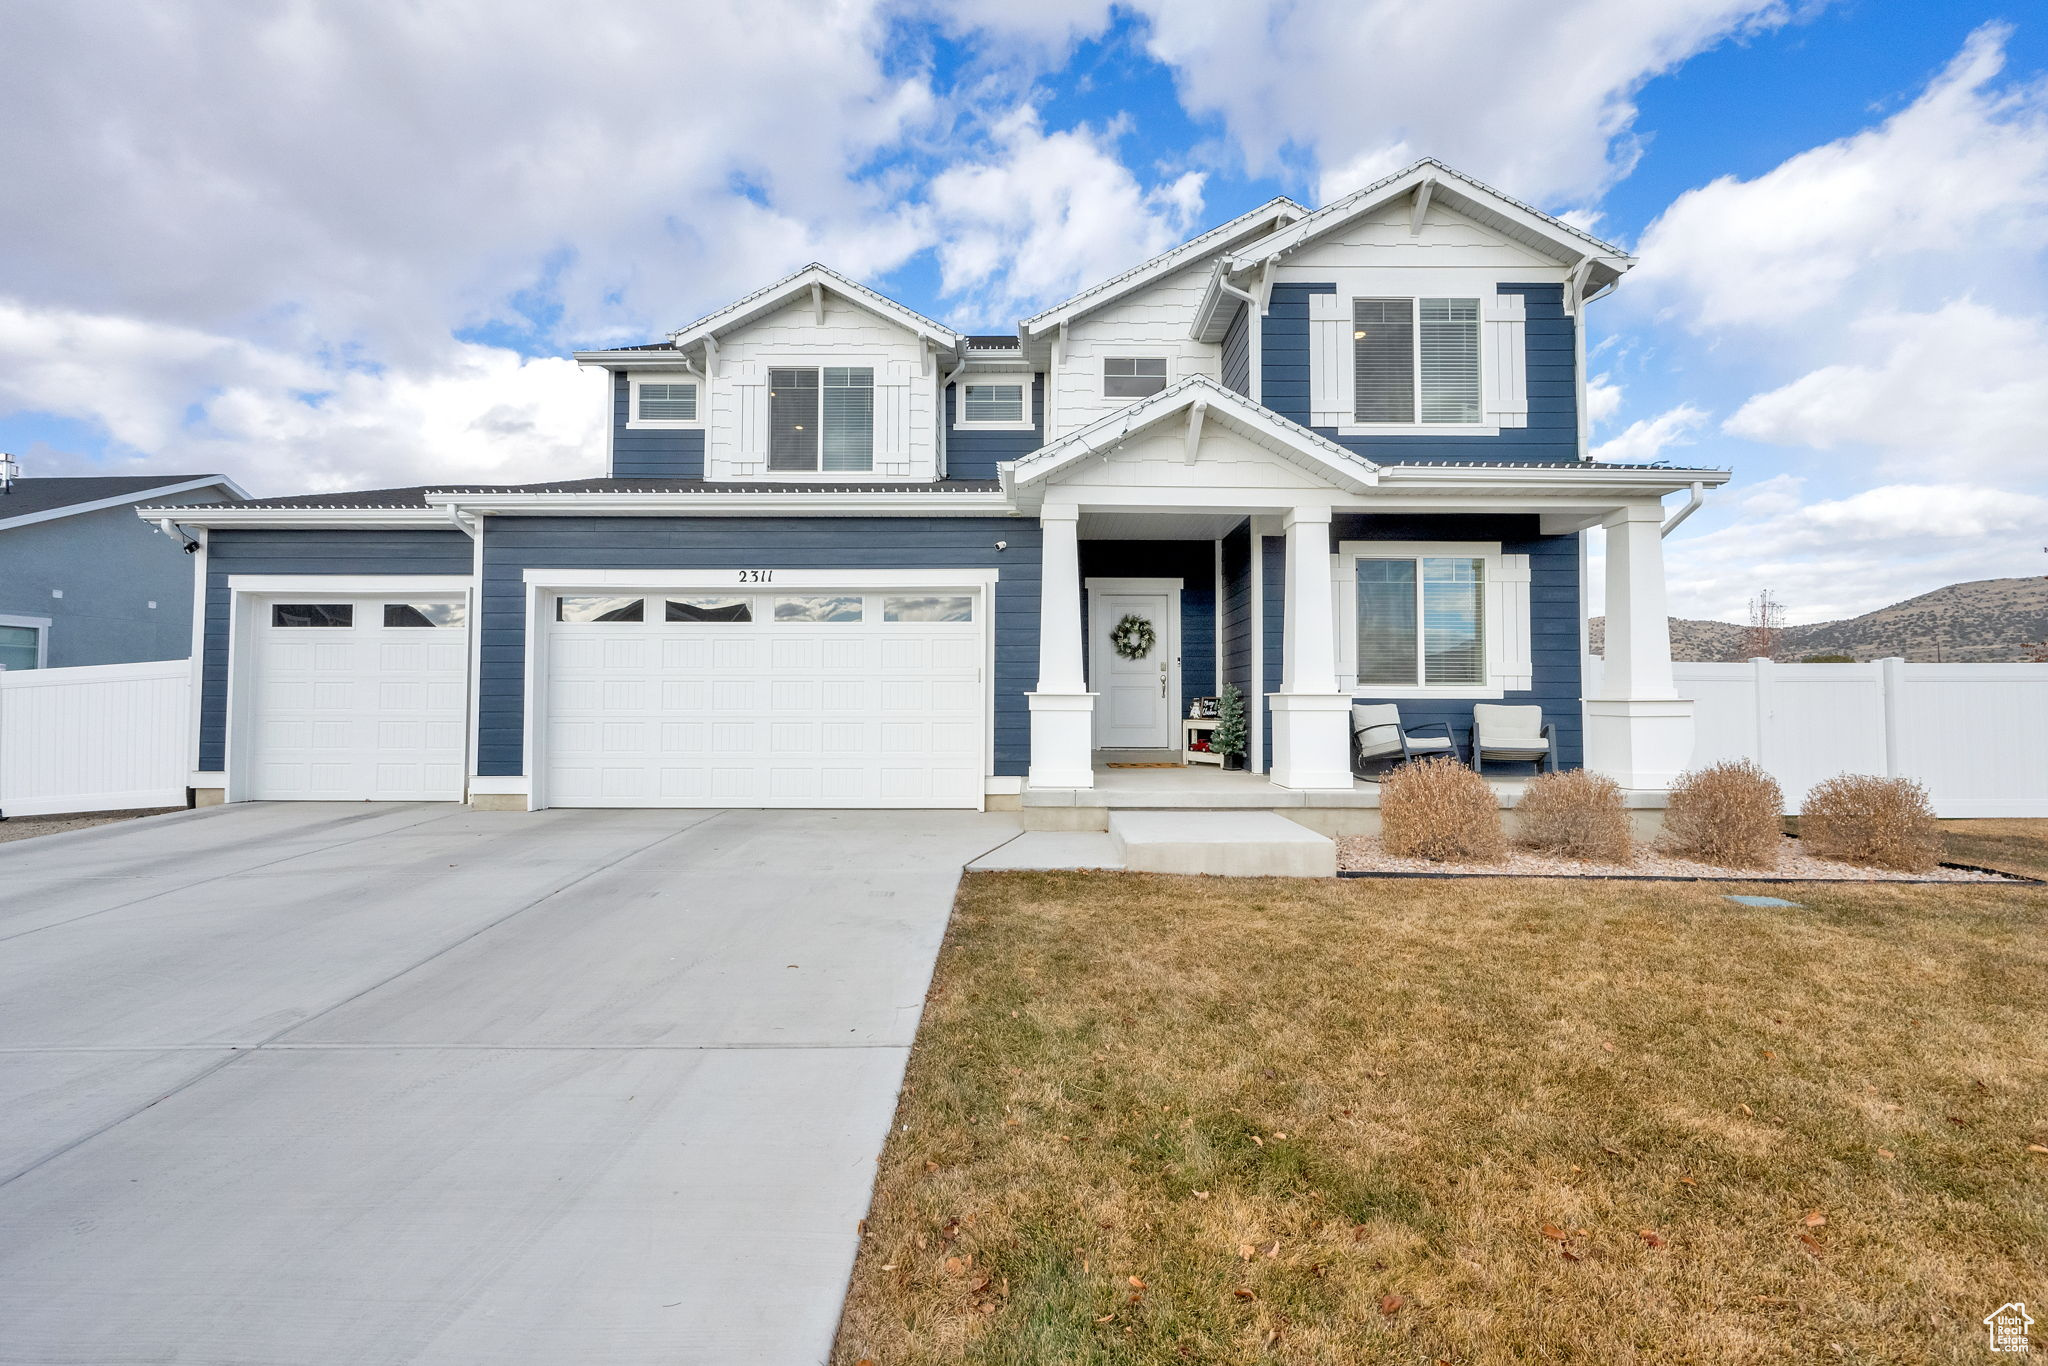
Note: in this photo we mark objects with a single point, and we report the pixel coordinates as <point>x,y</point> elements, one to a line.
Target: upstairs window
<point>663,399</point>
<point>821,419</point>
<point>1415,360</point>
<point>1133,376</point>
<point>992,403</point>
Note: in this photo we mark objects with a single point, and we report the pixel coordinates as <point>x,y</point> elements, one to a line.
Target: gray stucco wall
<point>513,545</point>
<point>110,565</point>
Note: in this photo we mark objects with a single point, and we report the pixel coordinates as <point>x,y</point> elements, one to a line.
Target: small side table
<point>1192,729</point>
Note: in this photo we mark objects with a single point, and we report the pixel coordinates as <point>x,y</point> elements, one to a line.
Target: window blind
<point>668,403</point>
<point>1453,621</point>
<point>849,425</point>
<point>1386,623</point>
<point>1450,360</point>
<point>1383,360</point>
<point>792,419</point>
<point>992,403</point>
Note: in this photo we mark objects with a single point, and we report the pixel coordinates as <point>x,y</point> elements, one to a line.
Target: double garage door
<point>798,698</point>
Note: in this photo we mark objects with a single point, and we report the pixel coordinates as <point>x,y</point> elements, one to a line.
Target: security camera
<point>1002,545</point>
<point>191,547</point>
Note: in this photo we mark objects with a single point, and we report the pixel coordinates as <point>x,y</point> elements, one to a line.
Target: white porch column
<point>1639,731</point>
<point>1311,719</point>
<point>1062,709</point>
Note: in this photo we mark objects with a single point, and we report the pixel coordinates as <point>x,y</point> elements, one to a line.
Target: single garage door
<point>356,699</point>
<point>799,699</point>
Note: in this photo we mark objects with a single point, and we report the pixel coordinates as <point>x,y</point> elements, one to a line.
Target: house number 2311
<point>757,576</point>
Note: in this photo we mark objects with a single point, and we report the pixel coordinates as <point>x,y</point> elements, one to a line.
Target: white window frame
<point>41,626</point>
<point>1122,353</point>
<point>635,422</point>
<point>1420,428</point>
<point>1504,625</point>
<point>1503,373</point>
<point>1021,378</point>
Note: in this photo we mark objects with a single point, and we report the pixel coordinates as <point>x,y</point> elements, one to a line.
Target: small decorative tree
<point>1231,733</point>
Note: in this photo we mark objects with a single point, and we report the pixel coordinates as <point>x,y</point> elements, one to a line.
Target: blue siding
<point>1272,625</point>
<point>1553,430</point>
<point>1553,618</point>
<point>644,453</point>
<point>1237,352</point>
<point>301,552</point>
<point>1236,644</point>
<point>1194,564</point>
<point>973,453</point>
<point>513,545</point>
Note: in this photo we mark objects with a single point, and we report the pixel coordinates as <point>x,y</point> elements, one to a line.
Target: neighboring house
<point>83,582</point>
<point>847,556</point>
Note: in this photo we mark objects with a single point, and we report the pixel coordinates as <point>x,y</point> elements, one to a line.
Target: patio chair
<point>1377,733</point>
<point>1518,733</point>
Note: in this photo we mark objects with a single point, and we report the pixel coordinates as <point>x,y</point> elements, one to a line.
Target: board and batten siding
<point>229,552</point>
<point>1194,564</point>
<point>1553,430</point>
<point>653,452</point>
<point>512,545</point>
<point>1152,321</point>
<point>906,438</point>
<point>974,452</point>
<point>1554,613</point>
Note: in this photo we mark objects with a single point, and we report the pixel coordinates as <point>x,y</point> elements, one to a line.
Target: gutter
<point>1699,496</point>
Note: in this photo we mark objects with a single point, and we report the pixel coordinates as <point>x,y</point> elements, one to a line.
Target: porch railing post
<point>1311,718</point>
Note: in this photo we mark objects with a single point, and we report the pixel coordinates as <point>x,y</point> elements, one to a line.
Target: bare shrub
<point>1730,813</point>
<point>1881,822</point>
<point>1577,813</point>
<point>1440,809</point>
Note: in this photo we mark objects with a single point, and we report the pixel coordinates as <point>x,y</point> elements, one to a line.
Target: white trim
<point>498,785</point>
<point>773,296</point>
<point>663,580</point>
<point>117,500</point>
<point>1505,617</point>
<point>1173,588</point>
<point>41,626</point>
<point>1021,378</point>
<point>1255,696</point>
<point>635,422</point>
<point>196,702</point>
<point>351,585</point>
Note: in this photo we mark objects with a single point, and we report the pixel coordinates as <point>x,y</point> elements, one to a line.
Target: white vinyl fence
<point>107,737</point>
<point>1974,735</point>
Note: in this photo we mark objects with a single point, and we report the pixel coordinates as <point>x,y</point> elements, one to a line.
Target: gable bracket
<point>1415,217</point>
<point>1197,410</point>
<point>710,356</point>
<point>817,302</point>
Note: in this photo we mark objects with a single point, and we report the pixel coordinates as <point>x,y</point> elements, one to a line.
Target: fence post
<point>1760,669</point>
<point>1891,687</point>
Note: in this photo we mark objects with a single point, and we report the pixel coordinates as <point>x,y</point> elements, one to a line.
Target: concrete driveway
<point>373,1083</point>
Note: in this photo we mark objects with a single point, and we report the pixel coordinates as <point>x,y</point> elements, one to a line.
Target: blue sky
<point>322,246</point>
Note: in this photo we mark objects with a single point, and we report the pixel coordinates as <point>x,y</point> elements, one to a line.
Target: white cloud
<point>1603,399</point>
<point>1049,214</point>
<point>281,423</point>
<point>1841,557</point>
<point>1963,390</point>
<point>1945,191</point>
<point>1643,441</point>
<point>1538,99</point>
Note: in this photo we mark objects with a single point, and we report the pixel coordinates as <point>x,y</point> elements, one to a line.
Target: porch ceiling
<point>1158,526</point>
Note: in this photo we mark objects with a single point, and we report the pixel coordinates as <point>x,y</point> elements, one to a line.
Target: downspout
<point>1254,325</point>
<point>1692,505</point>
<point>945,426</point>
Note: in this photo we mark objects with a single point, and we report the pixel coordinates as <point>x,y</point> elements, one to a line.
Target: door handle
<point>1162,682</point>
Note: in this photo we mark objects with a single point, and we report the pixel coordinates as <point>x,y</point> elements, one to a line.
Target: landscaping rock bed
<point>1364,854</point>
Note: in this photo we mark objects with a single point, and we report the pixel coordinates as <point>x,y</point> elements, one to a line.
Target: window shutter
<point>1329,361</point>
<point>1508,649</point>
<point>892,417</point>
<point>1507,362</point>
<point>750,416</point>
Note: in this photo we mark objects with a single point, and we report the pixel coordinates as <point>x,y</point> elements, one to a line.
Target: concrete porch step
<point>1222,843</point>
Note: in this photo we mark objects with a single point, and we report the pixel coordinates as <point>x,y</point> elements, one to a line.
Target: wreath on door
<point>1133,637</point>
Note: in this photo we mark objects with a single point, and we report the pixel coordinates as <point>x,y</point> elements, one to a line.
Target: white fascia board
<point>368,518</point>
<point>1570,242</point>
<point>345,585</point>
<point>1346,468</point>
<point>633,360</point>
<point>797,285</point>
<point>1216,239</point>
<point>121,500</point>
<point>674,580</point>
<point>721,504</point>
<point>1637,483</point>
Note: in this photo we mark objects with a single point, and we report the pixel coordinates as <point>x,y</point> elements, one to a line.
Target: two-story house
<point>844,555</point>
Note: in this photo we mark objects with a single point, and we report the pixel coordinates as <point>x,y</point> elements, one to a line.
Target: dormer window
<point>1133,376</point>
<point>663,400</point>
<point>993,402</point>
<point>821,419</point>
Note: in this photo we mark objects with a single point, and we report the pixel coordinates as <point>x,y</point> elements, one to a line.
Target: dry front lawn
<point>1165,1120</point>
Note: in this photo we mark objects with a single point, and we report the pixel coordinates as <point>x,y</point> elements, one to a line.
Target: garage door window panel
<point>936,607</point>
<point>313,615</point>
<point>424,615</point>
<point>819,608</point>
<point>597,608</point>
<point>709,610</point>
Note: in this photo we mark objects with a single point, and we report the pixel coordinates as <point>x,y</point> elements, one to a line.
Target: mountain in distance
<point>1988,621</point>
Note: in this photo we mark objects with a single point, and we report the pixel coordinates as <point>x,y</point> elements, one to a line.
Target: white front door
<point>1137,701</point>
